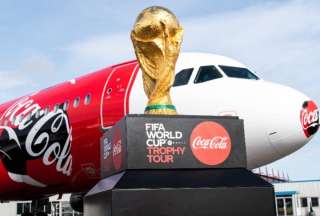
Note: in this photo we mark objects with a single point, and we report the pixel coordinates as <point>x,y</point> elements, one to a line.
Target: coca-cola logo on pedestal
<point>210,143</point>
<point>117,149</point>
<point>309,117</point>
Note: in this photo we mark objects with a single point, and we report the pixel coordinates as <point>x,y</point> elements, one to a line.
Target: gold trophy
<point>156,37</point>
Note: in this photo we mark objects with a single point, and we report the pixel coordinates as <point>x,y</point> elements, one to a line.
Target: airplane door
<point>115,96</point>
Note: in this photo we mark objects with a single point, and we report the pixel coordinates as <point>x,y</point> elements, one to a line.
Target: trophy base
<point>223,192</point>
<point>159,109</point>
<point>177,165</point>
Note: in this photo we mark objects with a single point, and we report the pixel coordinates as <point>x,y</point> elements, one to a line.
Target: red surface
<point>115,90</point>
<point>309,117</point>
<point>85,122</point>
<point>210,143</point>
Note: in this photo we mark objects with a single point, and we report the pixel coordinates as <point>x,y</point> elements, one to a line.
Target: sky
<point>46,42</point>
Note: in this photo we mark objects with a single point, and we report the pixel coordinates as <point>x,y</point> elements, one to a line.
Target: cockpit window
<point>207,73</point>
<point>182,78</point>
<point>237,72</point>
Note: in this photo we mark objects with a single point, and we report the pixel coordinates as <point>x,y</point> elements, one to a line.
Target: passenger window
<point>14,120</point>
<point>182,78</point>
<point>66,105</point>
<point>237,72</point>
<point>76,102</point>
<point>20,118</point>
<point>37,113</point>
<point>28,117</point>
<point>56,107</point>
<point>207,73</point>
<point>47,110</point>
<point>87,99</point>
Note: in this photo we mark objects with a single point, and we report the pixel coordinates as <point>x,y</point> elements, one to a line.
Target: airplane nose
<point>295,120</point>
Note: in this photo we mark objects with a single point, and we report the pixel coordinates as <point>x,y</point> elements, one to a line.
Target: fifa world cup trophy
<point>157,37</point>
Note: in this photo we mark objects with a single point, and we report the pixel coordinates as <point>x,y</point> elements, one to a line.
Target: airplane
<point>50,139</point>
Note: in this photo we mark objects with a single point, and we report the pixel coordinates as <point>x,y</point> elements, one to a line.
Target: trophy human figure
<point>157,37</point>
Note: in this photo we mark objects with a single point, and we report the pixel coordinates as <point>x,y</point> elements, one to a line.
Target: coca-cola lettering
<point>106,148</point>
<point>309,117</point>
<point>117,148</point>
<point>217,142</point>
<point>210,143</point>
<point>29,136</point>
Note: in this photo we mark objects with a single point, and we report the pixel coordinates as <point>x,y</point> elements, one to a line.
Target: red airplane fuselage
<point>50,140</point>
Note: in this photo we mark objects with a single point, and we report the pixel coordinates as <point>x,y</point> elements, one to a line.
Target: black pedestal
<point>177,165</point>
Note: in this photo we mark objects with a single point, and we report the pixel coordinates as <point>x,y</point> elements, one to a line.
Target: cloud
<point>98,52</point>
<point>32,73</point>
<point>38,66</point>
<point>9,80</point>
